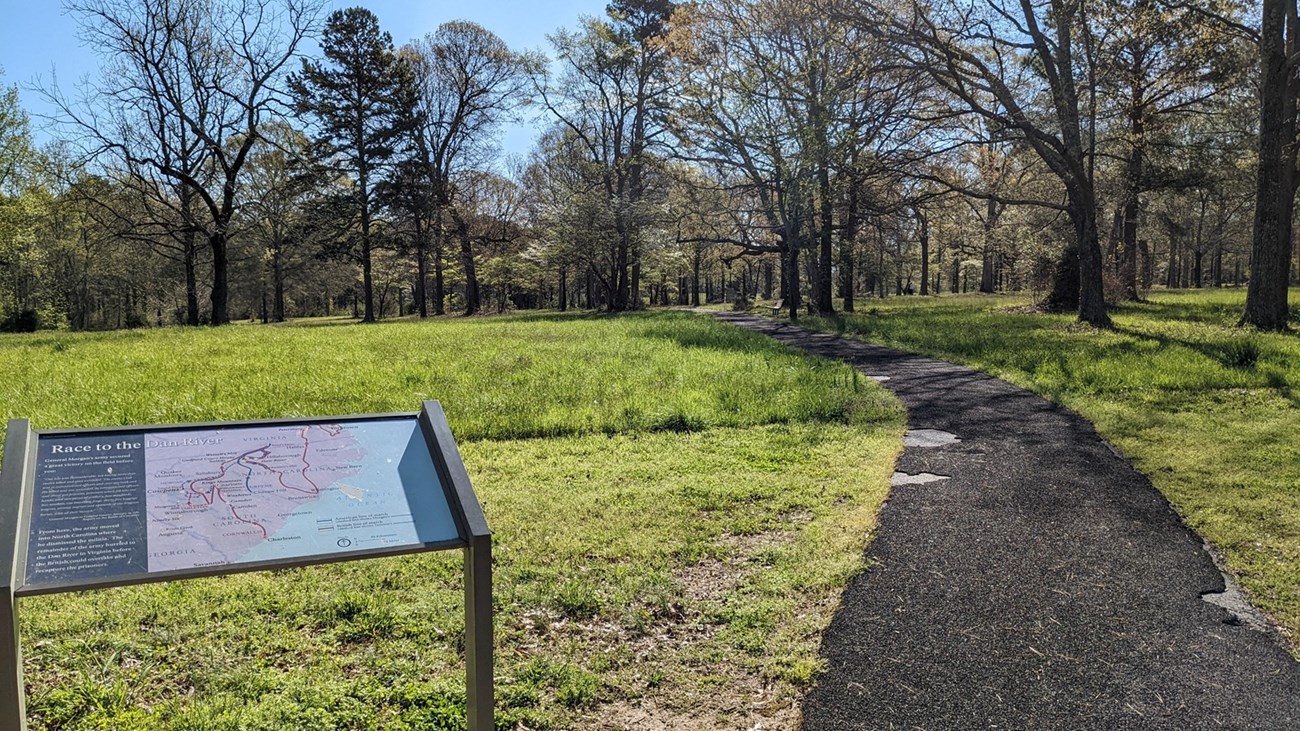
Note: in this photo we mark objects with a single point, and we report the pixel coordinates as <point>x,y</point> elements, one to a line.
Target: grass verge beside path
<point>677,509</point>
<point>1209,411</point>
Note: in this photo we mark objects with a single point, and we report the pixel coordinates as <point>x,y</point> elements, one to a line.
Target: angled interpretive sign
<point>108,507</point>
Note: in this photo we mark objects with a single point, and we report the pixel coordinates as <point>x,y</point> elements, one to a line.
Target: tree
<point>493,216</point>
<point>802,114</point>
<point>186,88</point>
<point>1018,66</point>
<point>467,82</point>
<point>1276,177</point>
<point>20,208</point>
<point>282,182</point>
<point>157,209</point>
<point>609,98</point>
<point>359,100</point>
<point>733,55</point>
<point>1158,66</point>
<point>15,139</point>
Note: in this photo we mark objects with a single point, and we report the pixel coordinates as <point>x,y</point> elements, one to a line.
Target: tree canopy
<point>721,150</point>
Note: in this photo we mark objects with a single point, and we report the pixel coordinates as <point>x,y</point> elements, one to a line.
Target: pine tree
<point>357,100</point>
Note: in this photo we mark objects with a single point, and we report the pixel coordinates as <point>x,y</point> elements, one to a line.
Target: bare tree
<point>467,83</point>
<point>610,96</point>
<point>1018,65</point>
<point>799,114</point>
<point>186,81</point>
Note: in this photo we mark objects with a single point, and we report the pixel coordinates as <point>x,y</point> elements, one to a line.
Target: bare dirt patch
<point>744,699</point>
<point>756,711</point>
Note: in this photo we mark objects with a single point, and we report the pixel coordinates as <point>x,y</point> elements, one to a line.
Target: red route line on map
<point>215,494</point>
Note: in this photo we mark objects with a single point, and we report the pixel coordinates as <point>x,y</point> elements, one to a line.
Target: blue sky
<point>37,36</point>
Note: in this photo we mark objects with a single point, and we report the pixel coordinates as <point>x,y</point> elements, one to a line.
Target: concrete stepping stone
<point>928,438</point>
<point>922,478</point>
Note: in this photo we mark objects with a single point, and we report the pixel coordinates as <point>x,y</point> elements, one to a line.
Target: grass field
<point>1210,412</point>
<point>677,505</point>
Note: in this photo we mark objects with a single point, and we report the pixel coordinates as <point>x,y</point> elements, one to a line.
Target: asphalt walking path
<point>1043,583</point>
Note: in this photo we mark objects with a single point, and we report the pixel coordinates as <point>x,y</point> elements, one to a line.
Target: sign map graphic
<point>177,500</point>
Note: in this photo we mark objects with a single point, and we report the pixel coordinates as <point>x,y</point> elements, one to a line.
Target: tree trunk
<point>791,271</point>
<point>825,303</point>
<point>618,300</point>
<point>367,277</point>
<point>847,273</point>
<point>439,287</point>
<point>191,281</point>
<point>938,271</point>
<point>1171,268</point>
<point>220,277</point>
<point>925,251</point>
<point>1128,254</point>
<point>1148,266</point>
<point>421,292</point>
<point>472,302</point>
<point>1266,293</point>
<point>880,261</point>
<point>1091,294</point>
<point>695,280</point>
<point>277,285</point>
<point>634,289</point>
<point>986,261</point>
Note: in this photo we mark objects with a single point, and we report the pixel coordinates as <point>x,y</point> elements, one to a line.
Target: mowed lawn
<point>677,505</point>
<point>1209,411</point>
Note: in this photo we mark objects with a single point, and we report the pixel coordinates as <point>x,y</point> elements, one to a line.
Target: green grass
<point>677,508</point>
<point>1207,410</point>
<point>499,378</point>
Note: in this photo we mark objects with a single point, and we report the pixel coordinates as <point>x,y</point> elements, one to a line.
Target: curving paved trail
<point>1045,584</point>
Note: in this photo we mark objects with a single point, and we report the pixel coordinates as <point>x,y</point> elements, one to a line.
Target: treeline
<point>817,153</point>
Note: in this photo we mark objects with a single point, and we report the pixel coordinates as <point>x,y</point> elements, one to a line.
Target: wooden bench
<point>775,308</point>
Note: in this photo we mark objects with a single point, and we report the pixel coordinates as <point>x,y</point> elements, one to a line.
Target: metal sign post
<point>478,634</point>
<point>13,706</point>
<point>479,700</point>
<point>55,535</point>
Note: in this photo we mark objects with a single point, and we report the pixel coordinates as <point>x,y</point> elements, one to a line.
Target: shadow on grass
<point>574,315</point>
<point>532,316</point>
<point>694,331</point>
<point>1175,305</point>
